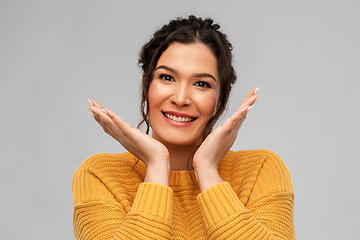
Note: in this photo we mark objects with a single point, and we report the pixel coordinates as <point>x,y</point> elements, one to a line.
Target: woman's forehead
<point>192,58</point>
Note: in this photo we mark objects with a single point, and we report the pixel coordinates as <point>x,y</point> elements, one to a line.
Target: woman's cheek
<point>208,104</point>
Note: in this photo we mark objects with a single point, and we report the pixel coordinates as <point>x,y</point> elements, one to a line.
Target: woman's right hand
<point>150,151</point>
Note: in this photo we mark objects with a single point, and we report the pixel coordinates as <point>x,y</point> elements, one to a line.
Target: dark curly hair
<point>189,30</point>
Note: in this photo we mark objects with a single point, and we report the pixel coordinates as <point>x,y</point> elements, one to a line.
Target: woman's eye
<point>203,84</point>
<point>166,77</point>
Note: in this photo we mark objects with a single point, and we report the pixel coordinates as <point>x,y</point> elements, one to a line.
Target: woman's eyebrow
<point>204,75</point>
<point>166,68</point>
<point>199,75</point>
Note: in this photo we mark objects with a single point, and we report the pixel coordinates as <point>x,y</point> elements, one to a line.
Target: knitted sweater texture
<point>255,201</point>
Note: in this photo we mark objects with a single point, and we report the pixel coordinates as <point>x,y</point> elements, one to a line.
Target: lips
<point>179,117</point>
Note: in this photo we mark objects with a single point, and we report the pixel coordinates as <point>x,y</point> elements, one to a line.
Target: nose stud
<point>186,103</point>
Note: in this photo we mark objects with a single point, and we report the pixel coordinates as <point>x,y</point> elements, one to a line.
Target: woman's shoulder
<point>103,159</point>
<point>116,171</point>
<point>103,176</point>
<point>256,156</point>
<point>110,162</point>
<point>260,165</point>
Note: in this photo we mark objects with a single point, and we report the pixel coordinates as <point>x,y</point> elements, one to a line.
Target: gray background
<point>304,56</point>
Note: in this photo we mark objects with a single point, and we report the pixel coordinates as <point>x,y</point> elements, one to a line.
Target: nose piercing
<point>186,103</point>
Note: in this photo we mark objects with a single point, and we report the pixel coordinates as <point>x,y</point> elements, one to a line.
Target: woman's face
<point>183,93</point>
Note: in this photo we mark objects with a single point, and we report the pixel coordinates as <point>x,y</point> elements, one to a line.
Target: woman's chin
<point>179,139</point>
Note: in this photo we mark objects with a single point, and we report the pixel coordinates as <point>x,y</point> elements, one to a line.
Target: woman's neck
<point>181,156</point>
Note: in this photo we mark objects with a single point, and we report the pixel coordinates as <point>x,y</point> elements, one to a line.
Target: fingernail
<point>257,99</point>
<point>103,110</point>
<point>91,113</point>
<point>256,90</point>
<point>249,108</point>
<point>90,102</point>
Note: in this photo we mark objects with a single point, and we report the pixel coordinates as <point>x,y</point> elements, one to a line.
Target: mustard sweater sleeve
<point>99,215</point>
<point>267,215</point>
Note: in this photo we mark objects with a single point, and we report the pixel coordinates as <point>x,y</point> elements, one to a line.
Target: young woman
<point>182,182</point>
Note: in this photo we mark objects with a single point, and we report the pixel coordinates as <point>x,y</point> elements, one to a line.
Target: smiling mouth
<point>179,119</point>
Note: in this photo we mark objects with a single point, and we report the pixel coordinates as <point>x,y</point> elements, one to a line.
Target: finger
<point>244,111</point>
<point>236,119</point>
<point>250,101</point>
<point>241,111</point>
<point>231,122</point>
<point>107,123</point>
<point>98,112</point>
<point>109,130</point>
<point>251,93</point>
<point>120,128</point>
<point>104,121</point>
<point>122,131</point>
<point>94,115</point>
<point>103,124</point>
<point>240,122</point>
<point>120,123</point>
<point>95,103</point>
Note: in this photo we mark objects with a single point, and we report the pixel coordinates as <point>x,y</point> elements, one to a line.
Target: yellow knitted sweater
<point>255,201</point>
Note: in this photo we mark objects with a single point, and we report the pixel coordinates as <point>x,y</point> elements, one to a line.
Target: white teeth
<point>178,119</point>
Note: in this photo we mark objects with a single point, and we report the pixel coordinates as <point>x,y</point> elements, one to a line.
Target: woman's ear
<point>143,74</point>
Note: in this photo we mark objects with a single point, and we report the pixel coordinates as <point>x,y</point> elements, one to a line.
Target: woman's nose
<point>181,96</point>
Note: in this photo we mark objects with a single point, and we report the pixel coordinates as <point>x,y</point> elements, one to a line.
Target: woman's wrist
<point>158,173</point>
<point>207,177</point>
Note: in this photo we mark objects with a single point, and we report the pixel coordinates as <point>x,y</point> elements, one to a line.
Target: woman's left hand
<point>207,158</point>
